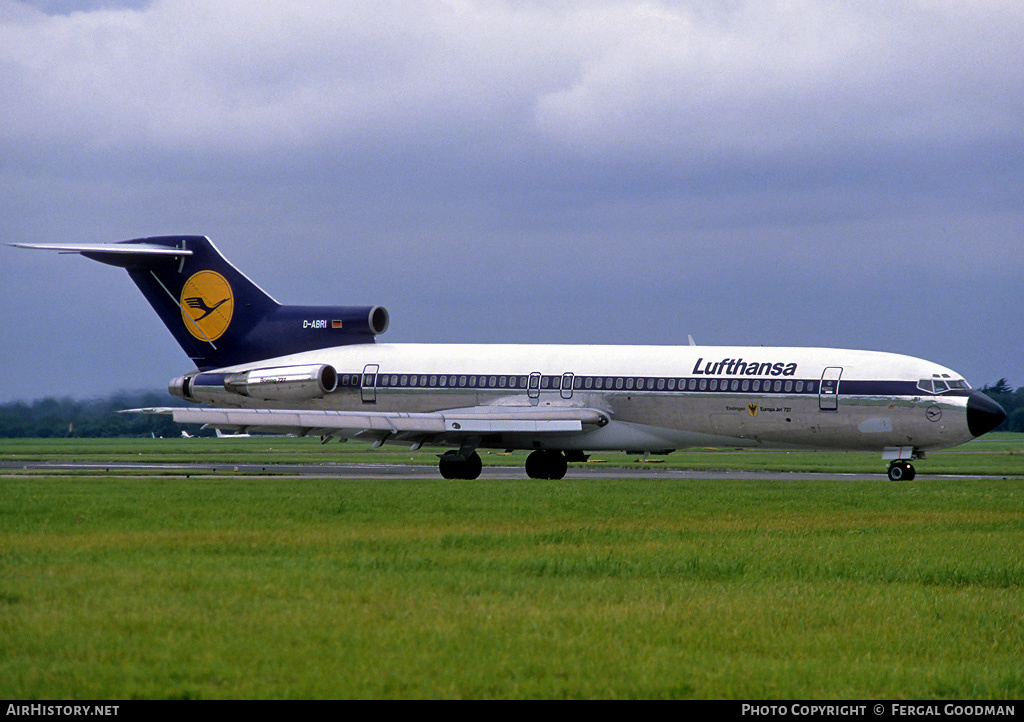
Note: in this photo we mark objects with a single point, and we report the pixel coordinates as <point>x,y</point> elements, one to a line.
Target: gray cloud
<point>795,172</point>
<point>627,81</point>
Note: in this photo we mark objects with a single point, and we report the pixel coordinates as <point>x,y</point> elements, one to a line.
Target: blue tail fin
<point>218,316</point>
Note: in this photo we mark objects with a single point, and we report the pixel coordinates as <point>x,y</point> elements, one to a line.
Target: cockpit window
<point>938,385</point>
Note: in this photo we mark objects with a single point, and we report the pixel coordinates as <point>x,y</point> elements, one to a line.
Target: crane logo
<point>207,304</point>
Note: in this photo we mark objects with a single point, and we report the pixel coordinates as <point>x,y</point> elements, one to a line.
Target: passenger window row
<point>584,383</point>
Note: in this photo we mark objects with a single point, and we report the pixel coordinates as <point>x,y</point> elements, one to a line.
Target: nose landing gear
<point>900,470</point>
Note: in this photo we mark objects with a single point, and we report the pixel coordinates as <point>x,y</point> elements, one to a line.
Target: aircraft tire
<point>452,467</point>
<point>544,464</point>
<point>902,471</point>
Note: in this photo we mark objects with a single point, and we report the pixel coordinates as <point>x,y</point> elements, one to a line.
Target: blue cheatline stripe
<point>636,384</point>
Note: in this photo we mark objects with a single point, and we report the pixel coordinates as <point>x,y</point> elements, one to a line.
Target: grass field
<point>995,454</point>
<point>228,586</point>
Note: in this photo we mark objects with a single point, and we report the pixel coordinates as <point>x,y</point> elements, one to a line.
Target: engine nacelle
<point>281,383</point>
<point>292,383</point>
<point>182,387</point>
<point>377,320</point>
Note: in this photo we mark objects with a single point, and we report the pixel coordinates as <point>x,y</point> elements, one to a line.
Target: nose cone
<point>983,414</point>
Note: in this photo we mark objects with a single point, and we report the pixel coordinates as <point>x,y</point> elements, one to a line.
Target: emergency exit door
<point>368,385</point>
<point>828,392</point>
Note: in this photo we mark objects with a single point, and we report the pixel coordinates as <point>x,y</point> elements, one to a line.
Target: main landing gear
<point>541,464</point>
<point>901,470</point>
<point>545,464</point>
<point>459,465</point>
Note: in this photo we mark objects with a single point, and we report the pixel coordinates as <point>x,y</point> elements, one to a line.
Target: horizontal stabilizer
<point>124,249</point>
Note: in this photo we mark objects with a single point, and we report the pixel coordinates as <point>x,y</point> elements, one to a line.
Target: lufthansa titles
<point>739,367</point>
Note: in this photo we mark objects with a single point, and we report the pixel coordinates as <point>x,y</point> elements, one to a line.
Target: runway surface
<point>426,473</point>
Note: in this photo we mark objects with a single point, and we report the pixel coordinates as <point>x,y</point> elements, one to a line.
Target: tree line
<point>1012,402</point>
<point>72,418</point>
<point>95,418</point>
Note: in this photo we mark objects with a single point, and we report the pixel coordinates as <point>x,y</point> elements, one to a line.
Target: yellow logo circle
<point>207,304</point>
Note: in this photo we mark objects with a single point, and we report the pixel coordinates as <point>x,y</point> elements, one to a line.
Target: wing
<point>451,426</point>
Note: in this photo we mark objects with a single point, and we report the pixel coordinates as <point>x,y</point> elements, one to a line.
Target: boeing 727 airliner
<point>318,371</point>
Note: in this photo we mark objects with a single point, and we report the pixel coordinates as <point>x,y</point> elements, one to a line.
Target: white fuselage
<point>657,397</point>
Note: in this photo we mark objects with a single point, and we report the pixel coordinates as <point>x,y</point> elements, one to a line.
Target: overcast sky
<point>807,173</point>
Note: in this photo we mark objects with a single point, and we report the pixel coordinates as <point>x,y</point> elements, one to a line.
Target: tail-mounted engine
<point>281,383</point>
